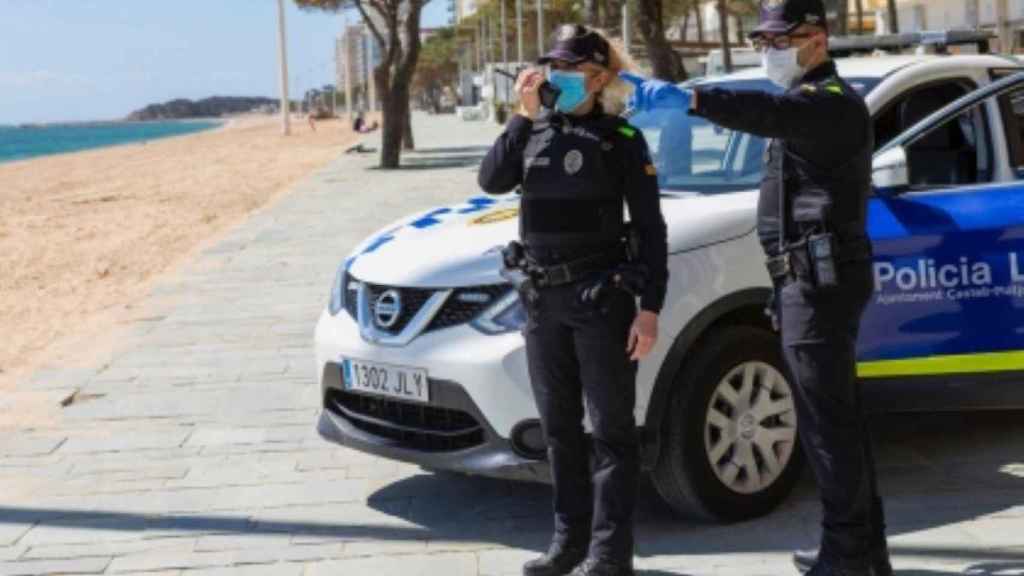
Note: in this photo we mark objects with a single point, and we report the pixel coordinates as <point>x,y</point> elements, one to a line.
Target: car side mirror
<point>890,172</point>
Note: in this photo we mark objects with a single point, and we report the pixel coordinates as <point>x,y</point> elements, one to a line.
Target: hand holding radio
<point>534,91</point>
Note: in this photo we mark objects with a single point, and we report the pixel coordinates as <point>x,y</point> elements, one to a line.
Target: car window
<point>1012,106</point>
<point>956,152</point>
<point>913,106</point>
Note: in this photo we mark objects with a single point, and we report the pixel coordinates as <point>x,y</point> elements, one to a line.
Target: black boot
<point>879,561</point>
<point>596,567</point>
<point>559,560</point>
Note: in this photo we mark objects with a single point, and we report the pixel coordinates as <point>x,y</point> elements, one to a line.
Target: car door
<point>949,259</point>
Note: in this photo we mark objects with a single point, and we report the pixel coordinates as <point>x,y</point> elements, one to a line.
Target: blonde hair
<point>615,95</point>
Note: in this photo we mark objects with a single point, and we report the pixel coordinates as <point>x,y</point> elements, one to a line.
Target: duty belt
<point>569,272</point>
<point>794,262</point>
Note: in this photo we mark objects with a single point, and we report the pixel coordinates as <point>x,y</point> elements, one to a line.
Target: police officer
<point>811,222</point>
<point>576,164</point>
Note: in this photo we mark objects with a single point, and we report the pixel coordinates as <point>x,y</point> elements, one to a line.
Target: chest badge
<point>573,162</point>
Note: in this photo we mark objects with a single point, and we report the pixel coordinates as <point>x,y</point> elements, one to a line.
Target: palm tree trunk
<point>894,22</point>
<point>843,16</point>
<point>590,12</point>
<point>700,21</point>
<point>723,31</point>
<point>860,16</point>
<point>665,62</point>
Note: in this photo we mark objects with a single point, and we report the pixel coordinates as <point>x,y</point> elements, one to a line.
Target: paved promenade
<point>191,450</point>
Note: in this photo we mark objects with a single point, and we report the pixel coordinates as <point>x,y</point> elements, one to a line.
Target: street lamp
<point>283,57</point>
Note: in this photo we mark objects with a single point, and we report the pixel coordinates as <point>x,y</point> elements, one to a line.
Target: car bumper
<point>494,458</point>
<point>479,401</point>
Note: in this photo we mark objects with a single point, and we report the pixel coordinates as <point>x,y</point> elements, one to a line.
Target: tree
<point>437,67</point>
<point>591,9</point>
<point>894,22</point>
<point>860,16</point>
<point>611,15</point>
<point>841,10</point>
<point>700,21</point>
<point>665,63</point>
<point>395,25</point>
<point>723,31</point>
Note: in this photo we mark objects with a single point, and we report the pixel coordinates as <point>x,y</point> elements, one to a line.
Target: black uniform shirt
<point>632,176</point>
<point>821,147</point>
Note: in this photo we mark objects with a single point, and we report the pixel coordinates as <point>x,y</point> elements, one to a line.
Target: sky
<point>81,60</point>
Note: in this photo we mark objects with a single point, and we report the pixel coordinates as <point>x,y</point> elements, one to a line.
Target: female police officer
<point>576,164</point>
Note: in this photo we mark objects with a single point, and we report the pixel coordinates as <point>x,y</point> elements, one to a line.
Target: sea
<point>30,141</point>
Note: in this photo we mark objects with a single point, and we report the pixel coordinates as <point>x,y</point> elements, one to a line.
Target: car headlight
<point>505,315</point>
<point>338,289</point>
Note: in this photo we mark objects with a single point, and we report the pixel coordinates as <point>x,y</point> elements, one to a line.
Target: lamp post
<point>519,31</point>
<point>283,57</point>
<point>540,28</point>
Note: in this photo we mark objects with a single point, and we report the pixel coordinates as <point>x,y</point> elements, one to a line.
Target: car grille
<point>411,425</point>
<point>412,300</point>
<point>458,311</point>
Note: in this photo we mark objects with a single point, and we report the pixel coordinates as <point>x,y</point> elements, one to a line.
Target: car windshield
<point>694,155</point>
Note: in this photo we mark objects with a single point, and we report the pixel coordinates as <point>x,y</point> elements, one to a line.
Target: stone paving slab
<point>191,450</point>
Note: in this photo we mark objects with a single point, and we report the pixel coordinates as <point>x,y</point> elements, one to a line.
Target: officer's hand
<point>642,335</point>
<point>526,87</point>
<point>650,94</point>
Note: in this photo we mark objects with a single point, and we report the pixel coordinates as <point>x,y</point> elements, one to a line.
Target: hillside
<point>206,108</point>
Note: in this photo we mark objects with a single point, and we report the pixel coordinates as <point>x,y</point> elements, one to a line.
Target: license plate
<point>398,382</point>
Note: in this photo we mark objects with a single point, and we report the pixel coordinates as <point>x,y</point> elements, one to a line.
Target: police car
<point>421,359</point>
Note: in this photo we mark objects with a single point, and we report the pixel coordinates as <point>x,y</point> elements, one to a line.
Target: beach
<point>83,236</point>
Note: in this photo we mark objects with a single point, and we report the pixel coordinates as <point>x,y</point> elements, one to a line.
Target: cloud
<point>43,79</point>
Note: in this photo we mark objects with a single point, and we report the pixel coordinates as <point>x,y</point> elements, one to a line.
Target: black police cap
<point>575,44</point>
<point>784,16</point>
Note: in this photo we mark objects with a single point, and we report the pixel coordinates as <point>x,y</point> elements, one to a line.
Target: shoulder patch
<point>834,86</point>
<point>650,170</point>
<point>627,131</point>
<point>809,88</point>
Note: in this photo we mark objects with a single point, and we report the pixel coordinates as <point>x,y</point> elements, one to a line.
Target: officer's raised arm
<point>502,168</point>
<point>809,112</point>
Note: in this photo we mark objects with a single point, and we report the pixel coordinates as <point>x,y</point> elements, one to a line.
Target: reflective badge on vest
<point>573,162</point>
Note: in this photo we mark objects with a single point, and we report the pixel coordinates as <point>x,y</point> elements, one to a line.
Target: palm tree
<point>395,25</point>
<point>894,22</point>
<point>665,62</point>
<point>723,31</point>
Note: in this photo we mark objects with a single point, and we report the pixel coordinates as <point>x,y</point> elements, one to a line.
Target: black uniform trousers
<point>577,351</point>
<point>819,336</point>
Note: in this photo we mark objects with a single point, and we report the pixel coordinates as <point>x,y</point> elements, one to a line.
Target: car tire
<point>734,377</point>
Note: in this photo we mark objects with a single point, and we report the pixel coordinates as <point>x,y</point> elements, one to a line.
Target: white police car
<point>421,359</point>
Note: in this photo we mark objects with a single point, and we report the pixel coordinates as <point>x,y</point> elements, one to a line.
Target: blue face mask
<point>574,89</point>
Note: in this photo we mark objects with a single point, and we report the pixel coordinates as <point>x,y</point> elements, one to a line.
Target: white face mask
<point>782,66</point>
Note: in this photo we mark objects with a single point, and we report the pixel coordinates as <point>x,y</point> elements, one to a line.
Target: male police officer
<point>576,165</point>
<point>811,222</point>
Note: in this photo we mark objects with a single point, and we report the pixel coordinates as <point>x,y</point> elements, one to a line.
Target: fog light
<point>528,440</point>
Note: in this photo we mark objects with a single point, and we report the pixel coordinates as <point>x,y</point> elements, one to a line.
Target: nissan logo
<point>388,308</point>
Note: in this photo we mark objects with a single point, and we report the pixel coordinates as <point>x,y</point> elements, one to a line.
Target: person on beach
<point>577,162</point>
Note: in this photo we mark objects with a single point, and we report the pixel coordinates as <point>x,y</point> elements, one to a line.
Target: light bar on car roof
<point>937,40</point>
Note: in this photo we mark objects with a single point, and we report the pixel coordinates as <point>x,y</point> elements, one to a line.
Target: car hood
<point>460,245</point>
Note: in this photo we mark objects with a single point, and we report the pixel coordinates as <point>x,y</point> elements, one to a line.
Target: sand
<point>84,236</point>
